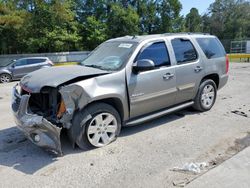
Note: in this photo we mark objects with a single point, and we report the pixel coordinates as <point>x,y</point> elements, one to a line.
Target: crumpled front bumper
<point>36,128</point>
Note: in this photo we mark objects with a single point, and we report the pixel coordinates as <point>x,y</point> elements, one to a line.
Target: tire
<point>97,131</point>
<point>206,96</point>
<point>5,78</point>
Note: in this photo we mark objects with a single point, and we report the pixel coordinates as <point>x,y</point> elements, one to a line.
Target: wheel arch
<point>215,77</point>
<point>76,132</point>
<point>113,101</point>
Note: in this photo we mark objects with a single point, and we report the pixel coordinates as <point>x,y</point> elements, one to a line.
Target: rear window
<point>211,47</point>
<point>184,51</point>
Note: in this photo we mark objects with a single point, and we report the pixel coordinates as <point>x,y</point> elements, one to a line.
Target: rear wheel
<point>206,96</point>
<point>101,129</point>
<point>5,78</point>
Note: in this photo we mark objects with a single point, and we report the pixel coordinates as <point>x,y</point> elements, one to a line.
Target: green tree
<point>52,27</point>
<point>95,32</point>
<point>64,25</point>
<point>230,19</point>
<point>147,12</point>
<point>170,16</point>
<point>12,27</point>
<point>193,21</point>
<point>122,21</point>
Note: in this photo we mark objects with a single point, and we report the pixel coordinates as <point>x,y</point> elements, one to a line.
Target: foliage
<point>28,26</point>
<point>95,32</point>
<point>193,21</point>
<point>122,21</point>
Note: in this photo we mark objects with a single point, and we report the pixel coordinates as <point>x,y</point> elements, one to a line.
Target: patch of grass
<point>66,63</point>
<point>239,58</point>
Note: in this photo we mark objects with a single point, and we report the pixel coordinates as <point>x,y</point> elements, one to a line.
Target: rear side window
<point>211,47</point>
<point>157,52</point>
<point>184,51</point>
<point>34,61</point>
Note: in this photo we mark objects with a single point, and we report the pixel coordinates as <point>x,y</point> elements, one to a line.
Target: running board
<point>158,114</point>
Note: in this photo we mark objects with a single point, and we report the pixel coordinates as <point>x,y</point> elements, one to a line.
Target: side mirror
<point>143,65</point>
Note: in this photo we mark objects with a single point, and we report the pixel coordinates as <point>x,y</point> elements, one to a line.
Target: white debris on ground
<point>195,168</point>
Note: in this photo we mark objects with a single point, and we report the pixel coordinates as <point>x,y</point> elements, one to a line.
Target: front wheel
<point>101,129</point>
<point>206,96</point>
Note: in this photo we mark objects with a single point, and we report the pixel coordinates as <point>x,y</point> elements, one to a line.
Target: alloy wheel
<point>102,129</point>
<point>208,96</point>
<point>5,78</point>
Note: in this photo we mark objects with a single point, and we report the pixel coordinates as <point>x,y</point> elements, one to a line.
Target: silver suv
<point>16,69</point>
<point>123,82</point>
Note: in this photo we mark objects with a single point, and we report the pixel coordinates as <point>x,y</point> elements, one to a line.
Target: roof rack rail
<point>187,33</point>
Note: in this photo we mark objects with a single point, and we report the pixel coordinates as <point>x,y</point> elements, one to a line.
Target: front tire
<point>206,96</point>
<point>5,78</point>
<point>101,129</point>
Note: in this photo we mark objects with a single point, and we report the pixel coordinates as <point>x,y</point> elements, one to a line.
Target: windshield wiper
<point>94,66</point>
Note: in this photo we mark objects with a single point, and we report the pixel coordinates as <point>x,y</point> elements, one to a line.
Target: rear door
<point>36,63</point>
<point>189,69</point>
<point>20,68</point>
<point>152,90</point>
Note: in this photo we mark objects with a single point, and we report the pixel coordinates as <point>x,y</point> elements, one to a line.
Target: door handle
<point>168,76</point>
<point>198,69</point>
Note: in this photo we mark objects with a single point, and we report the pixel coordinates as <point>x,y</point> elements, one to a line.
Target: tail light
<point>227,63</point>
<point>50,62</point>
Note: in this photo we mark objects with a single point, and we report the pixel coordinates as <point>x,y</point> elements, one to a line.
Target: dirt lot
<point>143,156</point>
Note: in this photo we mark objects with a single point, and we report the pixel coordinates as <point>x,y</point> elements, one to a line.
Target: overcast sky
<point>201,5</point>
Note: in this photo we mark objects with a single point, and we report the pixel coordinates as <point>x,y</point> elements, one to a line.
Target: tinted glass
<point>34,61</point>
<point>211,47</point>
<point>21,62</point>
<point>184,51</point>
<point>157,52</point>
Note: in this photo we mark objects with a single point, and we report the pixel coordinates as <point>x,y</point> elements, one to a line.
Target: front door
<point>155,89</point>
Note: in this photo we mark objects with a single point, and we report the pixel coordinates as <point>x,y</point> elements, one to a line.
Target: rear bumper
<point>223,81</point>
<point>36,128</point>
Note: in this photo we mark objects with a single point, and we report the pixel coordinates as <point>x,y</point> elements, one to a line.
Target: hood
<point>55,76</point>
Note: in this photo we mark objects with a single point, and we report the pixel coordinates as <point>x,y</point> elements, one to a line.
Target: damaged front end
<point>41,116</point>
<point>46,101</point>
<point>39,130</point>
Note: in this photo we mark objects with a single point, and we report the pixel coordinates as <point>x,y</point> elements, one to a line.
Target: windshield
<point>110,55</point>
<point>6,63</point>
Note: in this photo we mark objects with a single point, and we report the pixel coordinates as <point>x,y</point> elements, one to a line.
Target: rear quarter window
<point>35,61</point>
<point>211,47</point>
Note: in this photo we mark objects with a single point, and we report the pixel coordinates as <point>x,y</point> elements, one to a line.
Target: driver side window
<point>157,52</point>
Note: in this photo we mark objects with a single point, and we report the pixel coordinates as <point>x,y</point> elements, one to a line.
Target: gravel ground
<point>142,156</point>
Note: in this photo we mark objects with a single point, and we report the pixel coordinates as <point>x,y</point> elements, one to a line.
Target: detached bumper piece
<point>36,128</point>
